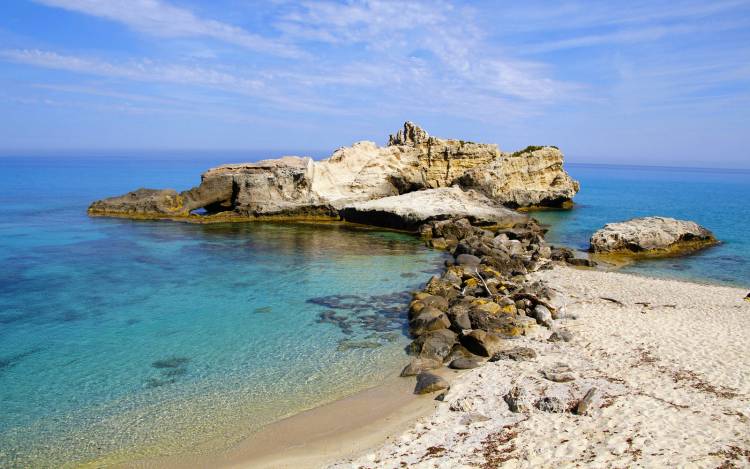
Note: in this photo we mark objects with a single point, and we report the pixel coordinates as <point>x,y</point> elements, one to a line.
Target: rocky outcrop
<point>651,236</point>
<point>298,187</point>
<point>141,203</point>
<point>409,211</point>
<point>533,177</point>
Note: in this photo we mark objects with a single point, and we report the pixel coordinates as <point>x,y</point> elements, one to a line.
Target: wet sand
<point>317,437</point>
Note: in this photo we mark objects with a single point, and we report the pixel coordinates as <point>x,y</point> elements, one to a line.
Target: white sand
<point>673,376</point>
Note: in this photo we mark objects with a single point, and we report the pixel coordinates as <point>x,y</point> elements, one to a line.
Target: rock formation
<point>409,211</point>
<point>651,236</point>
<point>533,177</point>
<point>300,188</point>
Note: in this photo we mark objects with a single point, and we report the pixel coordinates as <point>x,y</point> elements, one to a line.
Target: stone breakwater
<point>298,188</point>
<point>485,299</point>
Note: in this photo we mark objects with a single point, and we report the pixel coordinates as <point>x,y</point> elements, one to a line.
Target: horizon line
<point>276,153</point>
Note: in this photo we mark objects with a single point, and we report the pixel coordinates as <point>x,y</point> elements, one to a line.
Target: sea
<point>122,340</point>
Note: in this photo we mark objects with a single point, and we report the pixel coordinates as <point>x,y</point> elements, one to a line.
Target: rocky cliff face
<point>530,178</point>
<point>299,187</point>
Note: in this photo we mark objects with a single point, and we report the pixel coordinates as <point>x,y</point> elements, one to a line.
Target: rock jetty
<point>341,186</point>
<point>484,298</point>
<point>651,236</point>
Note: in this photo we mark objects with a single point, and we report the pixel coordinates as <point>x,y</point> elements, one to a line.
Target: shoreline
<point>387,416</point>
<point>321,435</point>
<point>373,417</point>
<point>667,397</point>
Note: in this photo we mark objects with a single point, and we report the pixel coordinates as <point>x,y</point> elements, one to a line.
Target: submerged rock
<point>172,362</point>
<point>651,236</point>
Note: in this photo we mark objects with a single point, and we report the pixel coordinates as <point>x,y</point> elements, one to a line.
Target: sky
<point>623,82</point>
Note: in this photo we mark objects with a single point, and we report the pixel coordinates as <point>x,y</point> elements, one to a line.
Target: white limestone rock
<point>651,236</point>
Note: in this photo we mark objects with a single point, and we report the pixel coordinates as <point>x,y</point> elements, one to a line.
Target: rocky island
<point>481,178</point>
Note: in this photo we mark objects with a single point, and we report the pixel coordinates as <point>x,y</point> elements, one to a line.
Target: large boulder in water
<point>651,236</point>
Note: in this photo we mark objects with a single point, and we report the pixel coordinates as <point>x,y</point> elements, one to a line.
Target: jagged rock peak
<point>411,134</point>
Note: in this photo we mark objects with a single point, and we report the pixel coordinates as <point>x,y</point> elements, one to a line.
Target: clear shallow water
<point>123,338</point>
<point>715,198</point>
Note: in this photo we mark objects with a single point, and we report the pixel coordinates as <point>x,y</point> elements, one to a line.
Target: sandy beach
<point>669,362</point>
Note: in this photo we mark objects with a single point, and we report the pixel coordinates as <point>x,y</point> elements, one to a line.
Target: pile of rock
<point>484,297</point>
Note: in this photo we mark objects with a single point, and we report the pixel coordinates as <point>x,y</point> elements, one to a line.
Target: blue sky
<point>664,83</point>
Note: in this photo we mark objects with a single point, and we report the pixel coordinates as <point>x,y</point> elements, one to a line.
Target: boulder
<point>651,236</point>
<point>481,343</point>
<point>543,315</point>
<point>502,324</point>
<point>434,344</point>
<point>429,319</point>
<point>428,382</point>
<point>463,363</point>
<point>459,351</point>
<point>426,299</point>
<point>418,365</point>
<point>467,260</point>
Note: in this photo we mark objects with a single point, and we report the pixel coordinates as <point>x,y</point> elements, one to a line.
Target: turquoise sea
<point>121,339</point>
<point>127,338</point>
<point>718,199</point>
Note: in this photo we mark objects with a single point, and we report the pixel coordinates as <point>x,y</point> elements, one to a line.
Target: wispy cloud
<point>144,70</point>
<point>445,36</point>
<point>159,18</point>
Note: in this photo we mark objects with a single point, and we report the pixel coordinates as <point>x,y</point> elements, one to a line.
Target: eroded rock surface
<point>409,211</point>
<point>529,178</point>
<point>657,236</point>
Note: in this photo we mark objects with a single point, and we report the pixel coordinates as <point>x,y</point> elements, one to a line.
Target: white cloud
<point>393,32</point>
<point>144,70</point>
<point>161,19</point>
